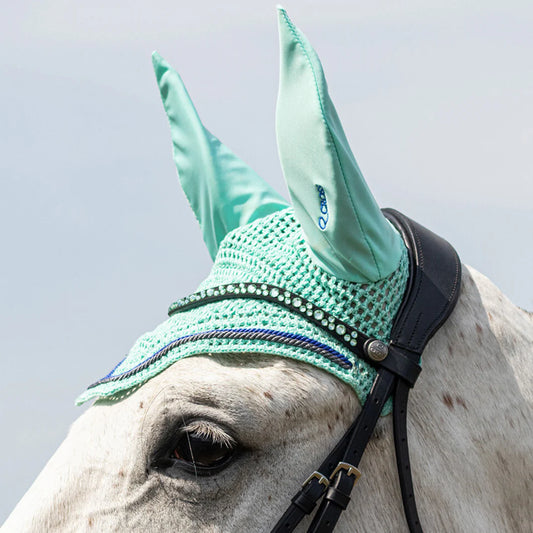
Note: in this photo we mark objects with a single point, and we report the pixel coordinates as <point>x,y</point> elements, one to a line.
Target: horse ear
<point>342,223</point>
<point>223,191</point>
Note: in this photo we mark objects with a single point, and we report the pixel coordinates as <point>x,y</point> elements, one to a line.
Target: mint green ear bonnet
<point>331,257</point>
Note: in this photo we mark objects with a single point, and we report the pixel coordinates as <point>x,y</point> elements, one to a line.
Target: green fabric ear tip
<point>343,225</point>
<point>224,193</point>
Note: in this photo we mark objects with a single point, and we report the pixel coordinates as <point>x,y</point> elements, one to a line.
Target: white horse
<point>219,442</point>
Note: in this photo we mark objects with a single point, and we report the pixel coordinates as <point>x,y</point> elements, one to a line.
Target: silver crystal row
<point>348,334</point>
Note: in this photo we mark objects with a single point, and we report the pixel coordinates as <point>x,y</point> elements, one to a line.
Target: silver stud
<point>251,289</point>
<point>274,292</point>
<point>231,288</point>
<point>319,314</point>
<point>376,350</point>
<point>297,302</point>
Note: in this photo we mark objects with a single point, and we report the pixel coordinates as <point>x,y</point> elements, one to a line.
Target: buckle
<point>322,479</point>
<point>351,470</point>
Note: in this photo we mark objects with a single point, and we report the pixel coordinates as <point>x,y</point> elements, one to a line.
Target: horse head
<point>214,420</point>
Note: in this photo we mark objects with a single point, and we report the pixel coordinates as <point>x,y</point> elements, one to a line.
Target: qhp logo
<point>324,217</point>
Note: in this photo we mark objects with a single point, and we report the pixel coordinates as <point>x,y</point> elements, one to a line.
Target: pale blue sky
<point>436,98</point>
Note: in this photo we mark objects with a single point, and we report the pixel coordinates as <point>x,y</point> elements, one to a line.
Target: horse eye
<point>201,455</point>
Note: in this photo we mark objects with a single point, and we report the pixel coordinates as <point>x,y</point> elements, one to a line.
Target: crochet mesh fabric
<point>271,250</point>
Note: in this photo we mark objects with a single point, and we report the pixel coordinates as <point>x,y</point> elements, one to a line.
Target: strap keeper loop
<point>338,497</point>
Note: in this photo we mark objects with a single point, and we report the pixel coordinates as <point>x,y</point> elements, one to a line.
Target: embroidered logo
<point>324,217</point>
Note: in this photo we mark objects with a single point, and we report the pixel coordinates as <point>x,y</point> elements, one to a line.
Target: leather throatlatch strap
<point>431,295</point>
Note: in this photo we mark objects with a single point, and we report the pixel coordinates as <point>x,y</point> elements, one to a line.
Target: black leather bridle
<point>431,294</point>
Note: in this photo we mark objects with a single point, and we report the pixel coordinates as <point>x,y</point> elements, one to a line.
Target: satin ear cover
<point>223,191</point>
<point>343,225</point>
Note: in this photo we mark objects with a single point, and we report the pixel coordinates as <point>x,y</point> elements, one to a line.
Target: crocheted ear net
<point>272,251</point>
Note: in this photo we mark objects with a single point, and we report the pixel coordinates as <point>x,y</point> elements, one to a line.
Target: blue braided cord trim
<point>281,337</point>
<point>114,368</point>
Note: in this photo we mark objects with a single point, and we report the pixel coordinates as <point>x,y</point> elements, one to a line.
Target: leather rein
<point>431,294</point>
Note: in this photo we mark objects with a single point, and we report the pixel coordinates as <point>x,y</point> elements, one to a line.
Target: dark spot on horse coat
<point>121,473</point>
<point>90,521</point>
<point>448,401</point>
<point>268,395</point>
<point>287,413</point>
<point>461,402</point>
<point>479,330</point>
<point>141,405</point>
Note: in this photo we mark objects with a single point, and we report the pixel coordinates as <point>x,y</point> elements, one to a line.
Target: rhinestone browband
<point>367,348</point>
<point>347,335</point>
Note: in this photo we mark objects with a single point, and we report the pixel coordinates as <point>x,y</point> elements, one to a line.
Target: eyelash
<point>214,447</point>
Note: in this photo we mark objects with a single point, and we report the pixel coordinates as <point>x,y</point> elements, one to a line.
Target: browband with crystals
<point>367,348</point>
